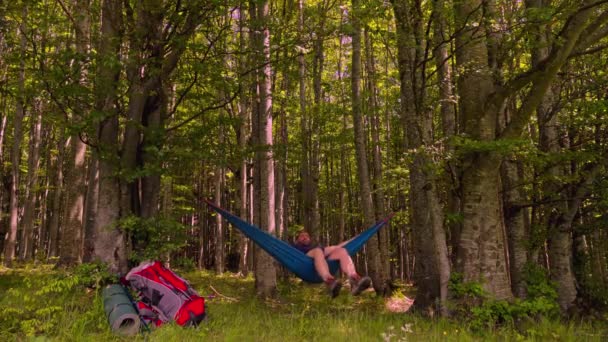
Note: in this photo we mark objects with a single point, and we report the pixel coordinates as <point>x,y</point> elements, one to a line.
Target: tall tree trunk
<point>313,129</point>
<point>448,116</point>
<point>3,125</point>
<point>55,212</point>
<point>383,247</point>
<point>342,186</point>
<point>367,204</point>
<point>244,115</point>
<point>29,208</point>
<point>73,229</point>
<point>152,141</point>
<point>481,253</point>
<point>307,184</point>
<point>265,273</point>
<point>559,230</point>
<point>431,274</point>
<point>517,222</point>
<point>11,241</point>
<point>109,242</point>
<point>90,210</point>
<point>219,227</point>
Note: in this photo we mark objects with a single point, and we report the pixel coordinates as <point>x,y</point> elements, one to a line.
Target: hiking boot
<point>333,288</point>
<point>356,287</point>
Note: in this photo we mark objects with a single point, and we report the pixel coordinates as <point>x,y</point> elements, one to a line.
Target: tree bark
<point>448,118</point>
<point>517,222</point>
<point>109,240</point>
<point>431,274</point>
<point>219,227</point>
<point>265,273</point>
<point>29,208</point>
<point>367,204</point>
<point>244,133</point>
<point>383,247</point>
<point>11,241</point>
<point>55,212</point>
<point>559,230</point>
<point>90,210</point>
<point>73,229</point>
<point>481,254</point>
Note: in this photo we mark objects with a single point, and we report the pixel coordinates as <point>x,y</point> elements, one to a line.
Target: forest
<point>481,125</point>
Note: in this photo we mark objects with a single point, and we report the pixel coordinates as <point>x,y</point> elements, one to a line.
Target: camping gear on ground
<point>119,309</point>
<point>294,260</point>
<point>169,296</point>
<point>148,314</point>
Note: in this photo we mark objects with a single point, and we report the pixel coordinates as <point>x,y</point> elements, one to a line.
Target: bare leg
<point>320,264</point>
<point>346,262</point>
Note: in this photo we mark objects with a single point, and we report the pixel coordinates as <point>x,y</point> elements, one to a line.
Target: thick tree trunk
<point>481,254</point>
<point>431,274</point>
<point>109,241</point>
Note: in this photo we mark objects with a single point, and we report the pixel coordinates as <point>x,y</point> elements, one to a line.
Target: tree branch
<point>206,109</point>
<point>543,74</point>
<point>592,34</point>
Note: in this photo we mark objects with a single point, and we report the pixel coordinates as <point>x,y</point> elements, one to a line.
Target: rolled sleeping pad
<point>119,309</point>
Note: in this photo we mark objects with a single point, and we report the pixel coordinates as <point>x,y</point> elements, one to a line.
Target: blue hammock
<point>294,260</point>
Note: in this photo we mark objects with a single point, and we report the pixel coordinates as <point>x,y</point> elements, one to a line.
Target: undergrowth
<point>46,304</point>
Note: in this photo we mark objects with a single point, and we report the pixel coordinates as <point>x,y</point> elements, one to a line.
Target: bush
<point>476,307</point>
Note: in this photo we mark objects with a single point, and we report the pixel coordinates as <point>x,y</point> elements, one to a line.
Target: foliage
<point>154,238</point>
<point>41,300</point>
<point>472,303</point>
<point>460,289</point>
<point>538,284</point>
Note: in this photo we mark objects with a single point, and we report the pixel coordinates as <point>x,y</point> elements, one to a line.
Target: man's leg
<point>320,264</point>
<point>358,284</point>
<point>346,262</point>
<point>333,285</point>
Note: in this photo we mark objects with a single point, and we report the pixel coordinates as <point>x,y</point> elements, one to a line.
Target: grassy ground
<point>42,304</point>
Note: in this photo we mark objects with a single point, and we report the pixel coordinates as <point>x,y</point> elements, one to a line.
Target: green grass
<point>42,304</point>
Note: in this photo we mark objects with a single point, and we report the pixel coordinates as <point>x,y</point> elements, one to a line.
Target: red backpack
<point>165,296</point>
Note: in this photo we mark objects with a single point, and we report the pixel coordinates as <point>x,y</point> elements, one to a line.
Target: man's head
<point>303,237</point>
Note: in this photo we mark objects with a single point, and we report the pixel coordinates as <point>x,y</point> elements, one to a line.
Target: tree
<point>11,241</point>
<point>265,274</point>
<point>432,273</point>
<point>75,177</point>
<point>109,240</point>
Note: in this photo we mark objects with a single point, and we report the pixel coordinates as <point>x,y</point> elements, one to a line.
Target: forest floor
<point>39,303</point>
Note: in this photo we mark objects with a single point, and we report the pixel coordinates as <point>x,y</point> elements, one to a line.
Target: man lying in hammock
<point>319,254</point>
